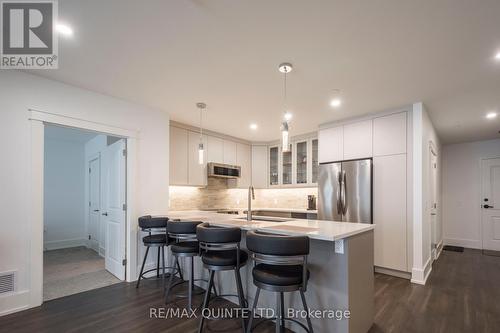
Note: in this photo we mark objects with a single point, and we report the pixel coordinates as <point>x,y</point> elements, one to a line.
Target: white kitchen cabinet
<point>197,173</point>
<point>389,211</point>
<point>178,156</point>
<point>358,140</point>
<point>215,149</point>
<point>259,166</point>
<point>229,150</point>
<point>331,144</point>
<point>389,134</point>
<point>244,160</point>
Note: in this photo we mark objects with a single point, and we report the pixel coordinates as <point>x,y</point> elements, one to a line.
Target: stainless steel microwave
<point>223,170</point>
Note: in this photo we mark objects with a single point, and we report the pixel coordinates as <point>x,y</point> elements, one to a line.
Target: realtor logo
<point>28,36</point>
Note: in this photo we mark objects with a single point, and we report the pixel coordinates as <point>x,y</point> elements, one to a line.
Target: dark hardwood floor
<point>462,295</point>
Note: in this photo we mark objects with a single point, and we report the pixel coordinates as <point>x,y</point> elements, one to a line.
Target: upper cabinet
<point>389,134</point>
<point>244,160</point>
<point>229,152</point>
<point>358,140</point>
<point>215,149</point>
<point>259,166</point>
<point>178,156</point>
<point>315,161</point>
<point>331,144</point>
<point>301,162</point>
<point>274,153</point>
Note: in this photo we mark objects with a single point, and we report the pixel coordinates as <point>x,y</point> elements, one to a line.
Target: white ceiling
<point>68,134</point>
<point>381,54</point>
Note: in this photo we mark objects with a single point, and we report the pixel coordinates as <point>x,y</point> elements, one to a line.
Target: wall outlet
<point>339,246</point>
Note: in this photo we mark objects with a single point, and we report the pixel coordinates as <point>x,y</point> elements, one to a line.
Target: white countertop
<point>315,229</point>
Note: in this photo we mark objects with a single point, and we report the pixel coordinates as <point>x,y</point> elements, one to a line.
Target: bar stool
<point>280,265</point>
<point>151,224</point>
<point>184,246</point>
<point>220,251</point>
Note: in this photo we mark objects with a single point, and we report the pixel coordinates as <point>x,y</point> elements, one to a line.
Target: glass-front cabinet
<point>299,166</point>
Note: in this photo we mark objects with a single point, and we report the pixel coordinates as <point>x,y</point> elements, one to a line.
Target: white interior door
<point>114,209</point>
<point>433,200</point>
<point>94,202</point>
<point>490,204</point>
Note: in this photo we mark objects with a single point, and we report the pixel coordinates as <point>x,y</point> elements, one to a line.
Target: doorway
<point>490,205</point>
<point>84,211</point>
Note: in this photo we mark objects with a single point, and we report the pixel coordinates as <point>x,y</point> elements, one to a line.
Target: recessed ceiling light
<point>491,115</point>
<point>64,29</point>
<point>288,116</point>
<point>497,56</point>
<point>253,126</point>
<point>335,103</point>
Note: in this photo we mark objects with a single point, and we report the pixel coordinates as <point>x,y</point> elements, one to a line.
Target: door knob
<point>105,214</point>
<point>96,210</point>
<point>487,206</point>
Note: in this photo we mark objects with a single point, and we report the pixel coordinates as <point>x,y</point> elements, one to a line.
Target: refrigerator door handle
<point>339,193</point>
<point>343,193</point>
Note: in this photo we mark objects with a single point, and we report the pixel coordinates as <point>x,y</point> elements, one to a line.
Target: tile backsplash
<point>217,195</point>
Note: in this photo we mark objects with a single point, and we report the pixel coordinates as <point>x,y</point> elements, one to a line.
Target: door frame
<point>87,199</point>
<point>480,198</point>
<point>434,185</point>
<point>37,120</point>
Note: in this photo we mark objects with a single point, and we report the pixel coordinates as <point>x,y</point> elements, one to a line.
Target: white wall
<point>462,191</point>
<point>64,195</point>
<point>20,91</point>
<point>423,134</point>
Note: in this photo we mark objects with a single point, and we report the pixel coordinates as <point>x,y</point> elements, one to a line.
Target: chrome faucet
<point>251,195</point>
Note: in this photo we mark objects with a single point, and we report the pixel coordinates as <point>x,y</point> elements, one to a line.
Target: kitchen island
<point>340,292</point>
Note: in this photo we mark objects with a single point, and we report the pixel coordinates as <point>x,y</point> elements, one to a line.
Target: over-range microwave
<point>223,170</point>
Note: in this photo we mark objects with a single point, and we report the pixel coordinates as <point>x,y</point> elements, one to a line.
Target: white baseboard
<point>468,243</point>
<point>420,276</point>
<point>14,302</point>
<point>102,252</point>
<point>63,244</point>
<point>438,250</point>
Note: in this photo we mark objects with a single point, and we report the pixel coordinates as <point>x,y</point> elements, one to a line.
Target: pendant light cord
<point>284,90</point>
<point>201,128</point>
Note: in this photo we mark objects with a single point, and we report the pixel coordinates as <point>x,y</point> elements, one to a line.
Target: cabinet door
<point>331,144</point>
<point>315,161</point>
<point>178,156</point>
<point>274,166</point>
<point>244,160</point>
<point>358,140</point>
<point>287,167</point>
<point>197,172</point>
<point>389,134</point>
<point>230,148</point>
<point>301,162</point>
<point>259,166</point>
<point>389,211</point>
<point>215,149</point>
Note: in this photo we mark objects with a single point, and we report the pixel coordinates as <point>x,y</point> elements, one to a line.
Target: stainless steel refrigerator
<point>345,191</point>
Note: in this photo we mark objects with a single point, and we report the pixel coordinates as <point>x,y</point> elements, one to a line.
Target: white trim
<point>468,243</point>
<point>37,120</point>
<point>438,250</point>
<point>420,276</point>
<point>14,302</point>
<point>64,244</point>
<point>61,120</point>
<point>406,108</point>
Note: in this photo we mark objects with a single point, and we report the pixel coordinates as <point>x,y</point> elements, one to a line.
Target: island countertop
<point>314,229</point>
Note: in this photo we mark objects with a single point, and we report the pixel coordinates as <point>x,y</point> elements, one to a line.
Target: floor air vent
<point>7,282</point>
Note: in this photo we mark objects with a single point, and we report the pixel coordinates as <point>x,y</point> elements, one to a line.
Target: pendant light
<point>201,148</point>
<point>285,68</point>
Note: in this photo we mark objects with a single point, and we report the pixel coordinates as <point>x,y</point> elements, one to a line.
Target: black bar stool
<point>220,251</point>
<point>185,246</point>
<point>151,224</point>
<point>280,265</point>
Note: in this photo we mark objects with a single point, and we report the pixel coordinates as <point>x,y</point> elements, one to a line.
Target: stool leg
<point>282,300</point>
<point>304,303</point>
<point>142,267</point>
<point>252,311</point>
<point>191,284</point>
<point>158,264</point>
<point>179,268</point>
<point>170,279</point>
<point>205,299</point>
<point>163,268</point>
<point>241,297</point>
<point>278,313</point>
<point>240,285</point>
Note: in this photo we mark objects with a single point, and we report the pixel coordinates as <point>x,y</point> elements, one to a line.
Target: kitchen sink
<point>267,219</point>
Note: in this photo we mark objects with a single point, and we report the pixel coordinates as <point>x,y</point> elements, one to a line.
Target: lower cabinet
<point>389,211</point>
